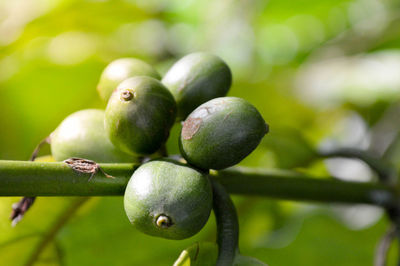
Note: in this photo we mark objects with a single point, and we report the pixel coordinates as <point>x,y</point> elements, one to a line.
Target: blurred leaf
<point>30,241</point>
<point>372,113</point>
<point>241,260</point>
<point>323,240</point>
<point>290,147</point>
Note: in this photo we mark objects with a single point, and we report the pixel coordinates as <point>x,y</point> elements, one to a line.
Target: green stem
<point>227,225</point>
<point>385,171</point>
<point>20,178</point>
<point>24,178</point>
<point>290,185</point>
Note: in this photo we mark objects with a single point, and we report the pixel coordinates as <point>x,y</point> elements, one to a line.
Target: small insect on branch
<point>85,166</point>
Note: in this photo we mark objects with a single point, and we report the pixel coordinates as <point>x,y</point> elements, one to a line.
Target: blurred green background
<point>322,73</point>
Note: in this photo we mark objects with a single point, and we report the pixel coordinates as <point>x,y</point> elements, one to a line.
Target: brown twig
<point>20,208</point>
<point>382,249</point>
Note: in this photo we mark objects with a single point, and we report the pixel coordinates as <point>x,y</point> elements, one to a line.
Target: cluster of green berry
<point>164,197</point>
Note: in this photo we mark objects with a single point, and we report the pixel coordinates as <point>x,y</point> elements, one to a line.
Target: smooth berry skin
<point>195,79</point>
<point>139,115</point>
<point>121,69</point>
<point>82,135</point>
<point>220,133</point>
<point>180,195</point>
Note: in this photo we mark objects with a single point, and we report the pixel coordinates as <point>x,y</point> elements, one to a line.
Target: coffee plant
<point>122,151</point>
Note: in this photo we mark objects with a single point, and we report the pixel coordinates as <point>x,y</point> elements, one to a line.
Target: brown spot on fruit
<point>190,127</point>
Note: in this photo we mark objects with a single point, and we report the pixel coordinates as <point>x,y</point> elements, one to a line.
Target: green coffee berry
<point>168,199</point>
<point>121,69</point>
<point>195,79</point>
<point>139,115</point>
<point>221,132</point>
<point>82,135</point>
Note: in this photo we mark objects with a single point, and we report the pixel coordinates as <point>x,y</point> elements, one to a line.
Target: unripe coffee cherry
<point>139,115</point>
<point>121,69</point>
<point>82,135</point>
<point>221,132</point>
<point>195,79</point>
<point>168,199</point>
